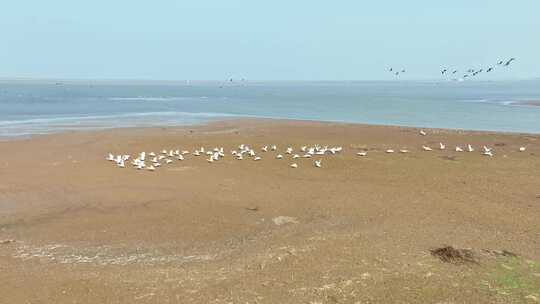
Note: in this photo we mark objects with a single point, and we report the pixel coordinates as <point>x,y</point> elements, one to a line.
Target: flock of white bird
<point>151,161</point>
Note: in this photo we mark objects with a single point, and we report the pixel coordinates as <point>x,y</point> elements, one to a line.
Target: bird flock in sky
<point>457,75</point>
<point>152,161</point>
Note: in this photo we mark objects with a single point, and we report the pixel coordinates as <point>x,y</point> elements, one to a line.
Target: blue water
<point>27,109</point>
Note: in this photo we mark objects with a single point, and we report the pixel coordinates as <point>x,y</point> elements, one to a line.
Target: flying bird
<point>509,61</point>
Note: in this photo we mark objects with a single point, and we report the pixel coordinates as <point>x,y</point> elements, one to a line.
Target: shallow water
<point>39,108</point>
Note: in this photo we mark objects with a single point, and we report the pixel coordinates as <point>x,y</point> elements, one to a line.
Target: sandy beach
<point>76,229</point>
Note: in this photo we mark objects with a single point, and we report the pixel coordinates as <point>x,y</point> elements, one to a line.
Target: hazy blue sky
<point>265,40</point>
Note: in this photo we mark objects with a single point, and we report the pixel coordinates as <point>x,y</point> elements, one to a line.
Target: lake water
<point>38,108</point>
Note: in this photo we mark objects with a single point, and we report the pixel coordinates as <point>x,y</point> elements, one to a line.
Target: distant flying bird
<point>455,71</point>
<point>444,71</point>
<point>489,70</point>
<point>509,61</point>
<point>391,69</point>
<point>396,73</point>
<point>403,71</point>
<point>500,62</point>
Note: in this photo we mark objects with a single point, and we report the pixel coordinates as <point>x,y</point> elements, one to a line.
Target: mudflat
<point>75,228</point>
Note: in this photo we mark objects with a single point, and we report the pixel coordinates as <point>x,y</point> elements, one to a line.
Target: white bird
<point>296,156</point>
<point>279,156</point>
<point>142,156</point>
<point>318,163</point>
<point>303,148</point>
<point>110,157</point>
<point>210,159</point>
<point>152,154</point>
<point>522,149</point>
<point>289,150</point>
<point>363,153</point>
<point>154,160</point>
<point>486,149</point>
<point>470,148</point>
<point>185,152</point>
<point>307,156</point>
<point>240,157</point>
<point>180,157</point>
<point>265,149</point>
<point>196,153</point>
<point>426,148</point>
<point>157,165</point>
<point>403,151</point>
<point>251,153</point>
<point>487,153</point>
<point>161,157</point>
<point>168,161</point>
<point>442,146</point>
<point>164,152</point>
<point>151,168</point>
<point>274,148</point>
<point>389,151</point>
<point>459,149</point>
<point>423,133</point>
<point>257,158</point>
<point>121,164</point>
<point>294,165</point>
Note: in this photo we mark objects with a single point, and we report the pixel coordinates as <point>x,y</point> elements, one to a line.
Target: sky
<point>266,40</point>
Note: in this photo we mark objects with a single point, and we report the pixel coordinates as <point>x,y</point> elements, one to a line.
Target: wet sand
<point>358,230</point>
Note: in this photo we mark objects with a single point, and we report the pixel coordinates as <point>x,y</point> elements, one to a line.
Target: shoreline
<point>261,119</point>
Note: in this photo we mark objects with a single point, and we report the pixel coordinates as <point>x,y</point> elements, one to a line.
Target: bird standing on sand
<point>426,148</point>
<point>363,153</point>
<point>522,149</point>
<point>423,133</point>
<point>442,146</point>
<point>294,165</point>
<point>470,148</point>
<point>459,149</point>
<point>318,163</point>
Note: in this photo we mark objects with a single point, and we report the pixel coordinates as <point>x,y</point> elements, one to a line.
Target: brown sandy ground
<point>360,228</point>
